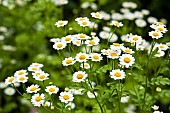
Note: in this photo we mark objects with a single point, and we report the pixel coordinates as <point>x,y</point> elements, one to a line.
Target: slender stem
<point>16,89</point>
<point>110,36</point>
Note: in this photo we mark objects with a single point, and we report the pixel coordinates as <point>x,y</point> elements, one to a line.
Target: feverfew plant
<point>110,75</point>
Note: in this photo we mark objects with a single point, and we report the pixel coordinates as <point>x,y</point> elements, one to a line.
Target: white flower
<point>159,53</point>
<point>22,78</point>
<point>160,28</point>
<point>126,60</point>
<point>105,51</point>
<point>47,103</point>
<point>52,89</point>
<point>145,12</point>
<point>113,37</point>
<point>38,99</point>
<point>152,20</point>
<point>70,105</point>
<point>68,61</point>
<point>116,23</point>
<point>83,36</point>
<point>97,15</point>
<point>59,45</point>
<point>135,39</point>
<point>124,99</point>
<point>34,88</point>
<point>9,91</point>
<point>10,80</point>
<point>76,91</point>
<point>61,23</point>
<point>81,19</point>
<point>59,2</point>
<point>85,65</point>
<point>79,76</point>
<point>66,97</point>
<point>20,73</point>
<point>82,57</point>
<point>3,85</point>
<point>77,42</point>
<point>104,34</point>
<point>113,54</point>
<point>161,46</point>
<point>117,16</point>
<point>117,74</point>
<point>91,95</point>
<point>155,34</point>
<point>140,23</point>
<point>155,107</point>
<point>84,23</point>
<point>38,65</point>
<point>96,57</point>
<point>67,39</point>
<point>127,50</point>
<point>157,112</point>
<point>33,68</point>
<point>41,77</point>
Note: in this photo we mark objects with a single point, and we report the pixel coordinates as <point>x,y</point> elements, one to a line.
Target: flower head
<point>79,76</point>
<point>117,74</point>
<point>61,23</point>
<point>97,15</point>
<point>126,60</point>
<point>38,99</point>
<point>34,88</point>
<point>52,89</point>
<point>68,61</point>
<point>66,97</point>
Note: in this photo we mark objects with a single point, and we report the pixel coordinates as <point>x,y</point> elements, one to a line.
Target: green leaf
<point>160,80</point>
<point>103,69</point>
<point>164,69</point>
<point>27,96</point>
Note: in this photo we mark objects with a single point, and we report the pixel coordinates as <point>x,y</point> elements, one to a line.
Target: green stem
<point>16,89</point>
<point>111,36</point>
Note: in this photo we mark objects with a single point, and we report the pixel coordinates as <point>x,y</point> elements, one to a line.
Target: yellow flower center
<point>79,76</point>
<point>42,77</point>
<point>91,42</point>
<point>113,54</point>
<point>38,98</point>
<point>68,61</point>
<point>81,19</point>
<point>135,38</point>
<point>127,60</point>
<point>116,44</point>
<point>66,97</point>
<point>117,74</point>
<point>96,57</point>
<point>51,89</point>
<point>158,52</point>
<point>82,57</point>
<point>127,50</point>
<point>34,68</point>
<point>77,42</point>
<point>11,79</point>
<point>84,23</point>
<point>37,74</point>
<point>160,29</point>
<point>59,45</point>
<point>61,23</point>
<point>155,34</point>
<point>22,78</point>
<point>97,15</point>
<point>160,23</point>
<point>33,88</point>
<point>82,36</point>
<point>21,73</point>
<point>67,39</point>
<point>161,46</point>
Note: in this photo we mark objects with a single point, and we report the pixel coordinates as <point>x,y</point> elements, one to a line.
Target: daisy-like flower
<point>96,15</point>
<point>105,51</point>
<point>82,19</point>
<point>59,45</point>
<point>159,53</point>
<point>52,89</point>
<point>162,46</point>
<point>84,23</point>
<point>41,77</point>
<point>47,103</point>
<point>162,29</point>
<point>117,74</point>
<point>157,112</point>
<point>38,99</point>
<point>155,34</point>
<point>67,39</point>
<point>9,91</point>
<point>33,68</point>
<point>82,57</point>
<point>116,46</point>
<point>37,73</point>
<point>79,76</point>
<point>91,95</point>
<point>91,42</point>
<point>140,23</point>
<point>82,36</point>
<point>34,88</point>
<point>22,78</point>
<point>127,50</point>
<point>38,65</point>
<point>96,57</point>
<point>155,107</point>
<point>135,39</point>
<point>124,99</point>
<point>85,65</point>
<point>70,105</point>
<point>126,60</point>
<point>113,54</point>
<point>55,40</point>
<point>10,80</point>
<point>116,23</point>
<point>77,42</point>
<point>3,85</point>
<point>66,97</point>
<point>113,37</point>
<point>168,44</point>
<point>68,61</point>
<point>104,34</point>
<point>61,23</point>
<point>20,73</point>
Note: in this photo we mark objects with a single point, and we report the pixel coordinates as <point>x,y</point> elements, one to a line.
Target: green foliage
<point>160,80</point>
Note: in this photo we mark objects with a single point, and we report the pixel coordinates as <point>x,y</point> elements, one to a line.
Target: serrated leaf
<point>160,80</point>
